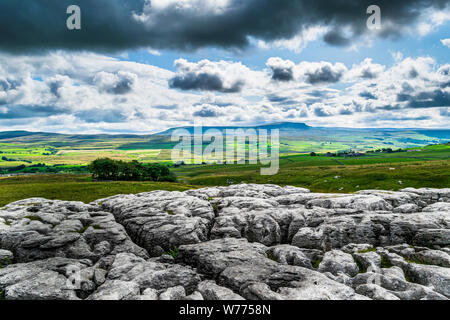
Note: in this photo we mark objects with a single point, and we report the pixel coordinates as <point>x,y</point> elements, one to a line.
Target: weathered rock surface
<point>152,274</point>
<point>115,290</point>
<point>6,257</point>
<point>336,262</point>
<point>211,291</point>
<point>36,229</point>
<point>262,242</point>
<point>237,264</point>
<point>161,220</point>
<point>49,279</point>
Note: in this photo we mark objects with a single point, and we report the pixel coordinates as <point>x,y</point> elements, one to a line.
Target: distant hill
<point>39,136</point>
<point>16,134</point>
<point>294,137</point>
<point>286,128</point>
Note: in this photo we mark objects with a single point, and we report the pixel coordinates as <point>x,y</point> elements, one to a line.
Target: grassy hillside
<point>25,148</point>
<point>427,168</point>
<point>391,176</point>
<point>73,188</point>
<point>340,179</point>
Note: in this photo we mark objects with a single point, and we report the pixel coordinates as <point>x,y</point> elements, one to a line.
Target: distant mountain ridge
<point>294,138</point>
<point>286,129</point>
<point>282,126</point>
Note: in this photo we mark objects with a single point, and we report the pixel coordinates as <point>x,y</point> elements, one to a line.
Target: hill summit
<point>284,127</point>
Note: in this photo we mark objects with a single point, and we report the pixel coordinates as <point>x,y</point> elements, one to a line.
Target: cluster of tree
<point>348,153</point>
<point>12,169</point>
<point>11,160</point>
<point>43,168</point>
<point>117,170</point>
<point>385,150</point>
<point>351,153</point>
<point>50,151</point>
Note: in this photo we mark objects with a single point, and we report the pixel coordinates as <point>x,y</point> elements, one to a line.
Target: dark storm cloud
<point>346,112</point>
<point>426,99</point>
<point>281,101</point>
<point>207,112</point>
<point>436,98</point>
<point>282,70</point>
<point>402,97</point>
<point>445,85</point>
<point>324,74</point>
<point>31,111</point>
<point>368,74</point>
<point>8,84</point>
<point>389,107</point>
<point>54,86</point>
<point>276,98</point>
<point>336,38</point>
<point>109,25</point>
<point>34,25</point>
<point>118,83</point>
<point>367,95</point>
<point>204,82</point>
<point>123,86</point>
<point>321,112</point>
<point>444,70</point>
<point>281,74</point>
<point>406,93</point>
<point>413,73</point>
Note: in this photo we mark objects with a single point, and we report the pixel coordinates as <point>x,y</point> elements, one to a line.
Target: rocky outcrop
<point>229,243</point>
<point>160,220</point>
<point>37,229</point>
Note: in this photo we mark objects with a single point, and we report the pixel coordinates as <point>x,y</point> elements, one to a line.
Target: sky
<point>140,66</point>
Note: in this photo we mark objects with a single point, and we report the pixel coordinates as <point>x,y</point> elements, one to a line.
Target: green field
<point>73,188</point>
<point>418,166</point>
<point>429,167</point>
<point>27,148</point>
<point>433,174</point>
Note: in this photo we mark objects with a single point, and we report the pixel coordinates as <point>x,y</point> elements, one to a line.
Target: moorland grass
<point>73,188</point>
<point>344,179</point>
<point>296,171</point>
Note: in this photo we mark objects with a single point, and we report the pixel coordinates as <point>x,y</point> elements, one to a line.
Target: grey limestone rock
<point>244,241</point>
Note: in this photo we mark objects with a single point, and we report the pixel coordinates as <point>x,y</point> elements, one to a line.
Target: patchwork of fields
<point>422,163</point>
<point>25,148</point>
<point>427,168</point>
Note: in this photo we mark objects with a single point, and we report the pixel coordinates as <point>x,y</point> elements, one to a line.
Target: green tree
<point>108,169</point>
<point>104,169</point>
